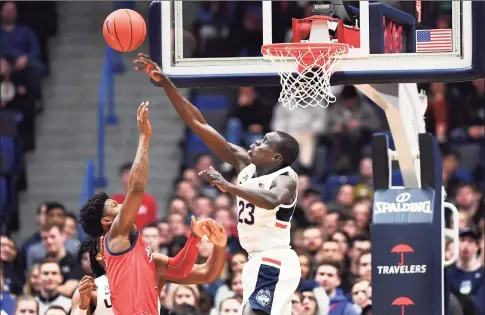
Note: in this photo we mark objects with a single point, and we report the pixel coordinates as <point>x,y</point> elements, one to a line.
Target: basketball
<point>124,30</point>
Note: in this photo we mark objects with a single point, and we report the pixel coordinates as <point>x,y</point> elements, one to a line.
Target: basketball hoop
<point>316,61</point>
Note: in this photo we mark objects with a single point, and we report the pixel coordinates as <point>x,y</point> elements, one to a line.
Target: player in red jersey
<point>134,273</point>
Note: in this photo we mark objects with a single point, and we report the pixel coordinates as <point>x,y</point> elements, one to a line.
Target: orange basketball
<point>124,30</point>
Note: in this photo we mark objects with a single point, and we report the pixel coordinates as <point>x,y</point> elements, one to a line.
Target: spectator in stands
<point>147,213</point>
<point>230,306</point>
<point>467,198</point>
<point>202,162</point>
<point>32,281</point>
<point>358,245</point>
<point>178,205</point>
<point>177,224</point>
<point>35,238</point>
<point>451,162</point>
<point>436,113</point>
<point>468,274</point>
<point>51,279</point>
<point>55,216</point>
<point>304,124</point>
<point>349,226</point>
<point>331,222</point>
<point>296,303</point>
<point>55,310</point>
<point>469,117</point>
<point>19,47</point>
<point>151,237</point>
<point>13,268</point>
<point>359,294</point>
<point>203,207</point>
<point>70,226</point>
<point>246,29</point>
<point>365,266</point>
<point>364,189</point>
<point>7,301</point>
<point>316,213</point>
<point>351,122</point>
<point>361,211</point>
<point>249,117</point>
<point>27,305</point>
<point>312,240</point>
<point>328,276</point>
<point>187,191</point>
<point>165,235</point>
<point>53,241</point>
<point>344,200</point>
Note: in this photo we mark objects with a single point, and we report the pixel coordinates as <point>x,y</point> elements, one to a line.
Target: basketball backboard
<point>218,43</point>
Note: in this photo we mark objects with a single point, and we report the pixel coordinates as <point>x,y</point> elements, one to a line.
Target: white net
<point>310,86</point>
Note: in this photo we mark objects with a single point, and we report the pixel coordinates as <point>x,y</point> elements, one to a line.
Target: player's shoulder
<point>101,280</point>
<point>241,156</point>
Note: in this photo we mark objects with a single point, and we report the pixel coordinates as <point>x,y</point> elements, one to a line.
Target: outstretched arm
<point>210,271</point>
<point>282,190</point>
<point>181,265</point>
<point>123,224</point>
<point>230,153</point>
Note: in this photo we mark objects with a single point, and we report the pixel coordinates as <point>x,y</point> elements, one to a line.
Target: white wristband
<point>80,312</point>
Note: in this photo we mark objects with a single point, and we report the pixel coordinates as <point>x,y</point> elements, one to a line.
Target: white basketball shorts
<point>269,280</point>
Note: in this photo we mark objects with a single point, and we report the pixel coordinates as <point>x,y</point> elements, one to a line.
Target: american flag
<point>433,40</point>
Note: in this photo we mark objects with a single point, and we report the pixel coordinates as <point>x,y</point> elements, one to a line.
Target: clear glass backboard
<point>214,43</point>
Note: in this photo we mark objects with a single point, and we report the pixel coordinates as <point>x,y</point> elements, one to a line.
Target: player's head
<point>98,214</point>
<point>276,148</point>
<point>96,261</point>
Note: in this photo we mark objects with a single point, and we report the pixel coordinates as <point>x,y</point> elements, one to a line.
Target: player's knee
<point>248,310</point>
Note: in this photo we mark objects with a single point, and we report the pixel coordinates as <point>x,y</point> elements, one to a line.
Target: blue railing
<point>106,93</point>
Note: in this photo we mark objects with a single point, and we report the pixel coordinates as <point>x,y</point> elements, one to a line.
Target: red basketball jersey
<point>131,278</point>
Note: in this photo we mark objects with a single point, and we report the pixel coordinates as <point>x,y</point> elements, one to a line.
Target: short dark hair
<point>125,167</point>
<point>91,214</point>
<point>359,238</point>
<point>288,148</point>
<point>71,215</point>
<point>55,307</point>
<point>50,225</point>
<point>54,205</point>
<point>331,262</point>
<point>184,309</point>
<point>151,225</point>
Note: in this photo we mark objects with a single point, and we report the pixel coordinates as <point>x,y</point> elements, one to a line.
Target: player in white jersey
<point>266,195</point>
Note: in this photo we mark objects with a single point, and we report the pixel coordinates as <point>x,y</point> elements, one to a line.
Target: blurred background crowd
<point>330,226</point>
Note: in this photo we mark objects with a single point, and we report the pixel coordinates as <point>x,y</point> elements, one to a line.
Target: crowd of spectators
<point>331,222</point>
<point>24,63</point>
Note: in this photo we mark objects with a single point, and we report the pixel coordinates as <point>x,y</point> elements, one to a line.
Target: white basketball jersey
<point>262,229</point>
<point>103,300</point>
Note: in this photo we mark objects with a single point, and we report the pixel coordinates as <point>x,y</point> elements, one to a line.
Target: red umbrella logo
<point>402,302</point>
<point>401,249</point>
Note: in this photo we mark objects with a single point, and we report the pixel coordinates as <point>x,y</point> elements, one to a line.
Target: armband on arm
<point>181,265</point>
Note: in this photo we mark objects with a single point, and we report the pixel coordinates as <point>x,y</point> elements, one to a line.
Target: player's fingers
<point>140,62</point>
<point>192,219</point>
<point>138,68</point>
<point>201,173</point>
<point>142,55</point>
<point>206,231</point>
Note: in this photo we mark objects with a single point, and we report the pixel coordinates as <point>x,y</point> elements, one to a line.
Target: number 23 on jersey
<point>246,213</point>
